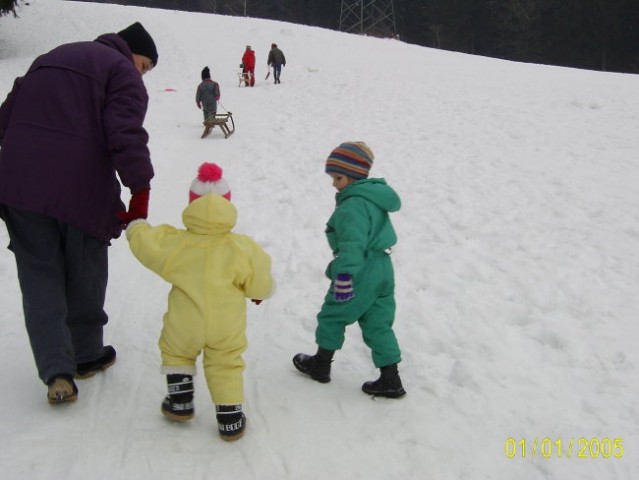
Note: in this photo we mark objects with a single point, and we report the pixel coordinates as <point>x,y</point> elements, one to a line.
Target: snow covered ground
<point>517,264</point>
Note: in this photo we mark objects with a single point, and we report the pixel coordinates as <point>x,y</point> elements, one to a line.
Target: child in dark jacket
<point>207,95</point>
<point>360,234</point>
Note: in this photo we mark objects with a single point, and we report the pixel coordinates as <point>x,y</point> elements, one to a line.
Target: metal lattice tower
<point>370,17</point>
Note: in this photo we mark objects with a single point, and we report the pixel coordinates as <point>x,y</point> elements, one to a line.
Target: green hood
<point>375,190</point>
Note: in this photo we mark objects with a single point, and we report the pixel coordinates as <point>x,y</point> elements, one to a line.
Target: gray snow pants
<point>63,276</point>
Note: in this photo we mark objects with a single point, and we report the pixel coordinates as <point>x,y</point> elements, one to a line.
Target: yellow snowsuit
<point>213,271</point>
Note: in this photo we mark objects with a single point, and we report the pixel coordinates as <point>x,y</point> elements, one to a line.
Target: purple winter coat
<point>68,127</point>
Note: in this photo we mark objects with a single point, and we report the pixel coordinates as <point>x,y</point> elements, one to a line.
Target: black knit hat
<point>206,73</point>
<point>139,41</point>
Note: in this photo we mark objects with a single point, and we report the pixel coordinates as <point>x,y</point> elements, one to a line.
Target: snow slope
<point>517,264</point>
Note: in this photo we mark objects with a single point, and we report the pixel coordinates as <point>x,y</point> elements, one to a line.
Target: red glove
<point>256,302</point>
<point>138,207</point>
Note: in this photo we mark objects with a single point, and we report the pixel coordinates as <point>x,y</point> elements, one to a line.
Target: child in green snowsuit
<point>360,235</point>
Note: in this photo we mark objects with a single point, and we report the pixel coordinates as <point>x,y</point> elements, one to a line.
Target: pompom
<point>209,172</point>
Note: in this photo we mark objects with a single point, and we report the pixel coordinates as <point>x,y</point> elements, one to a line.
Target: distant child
<point>207,95</point>
<point>248,66</point>
<point>213,271</point>
<point>362,290</point>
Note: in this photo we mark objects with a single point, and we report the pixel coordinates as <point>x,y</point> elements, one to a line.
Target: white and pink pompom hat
<point>209,180</point>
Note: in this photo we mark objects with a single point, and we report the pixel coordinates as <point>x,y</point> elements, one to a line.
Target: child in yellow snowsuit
<point>213,271</point>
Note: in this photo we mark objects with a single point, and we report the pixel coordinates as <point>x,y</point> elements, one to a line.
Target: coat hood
<point>375,190</point>
<point>210,214</point>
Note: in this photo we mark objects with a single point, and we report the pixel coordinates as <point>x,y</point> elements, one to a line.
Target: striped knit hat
<point>353,159</point>
<point>209,180</point>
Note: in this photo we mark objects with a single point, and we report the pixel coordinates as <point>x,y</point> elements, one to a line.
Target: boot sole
<point>233,438</point>
<point>60,400</point>
<point>387,393</point>
<point>96,370</point>
<point>175,417</point>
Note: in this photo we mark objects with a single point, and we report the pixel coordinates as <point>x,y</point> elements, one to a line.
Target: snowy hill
<point>517,264</point>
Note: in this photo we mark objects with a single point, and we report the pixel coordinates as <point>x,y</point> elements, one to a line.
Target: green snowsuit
<point>360,235</point>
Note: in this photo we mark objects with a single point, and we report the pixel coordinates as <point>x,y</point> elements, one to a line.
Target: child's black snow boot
<point>388,385</point>
<point>317,366</point>
<point>231,422</point>
<point>178,404</point>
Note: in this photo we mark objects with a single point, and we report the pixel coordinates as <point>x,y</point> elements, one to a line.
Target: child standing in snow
<point>360,234</point>
<point>213,271</point>
<point>207,94</point>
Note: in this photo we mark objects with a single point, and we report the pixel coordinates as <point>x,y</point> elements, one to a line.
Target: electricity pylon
<point>370,17</point>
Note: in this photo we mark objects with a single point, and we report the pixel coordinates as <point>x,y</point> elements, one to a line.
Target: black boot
<point>388,385</point>
<point>178,404</point>
<point>317,366</point>
<point>231,422</point>
<point>88,369</point>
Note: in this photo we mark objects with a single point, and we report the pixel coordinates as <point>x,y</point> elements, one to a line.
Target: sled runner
<point>222,120</point>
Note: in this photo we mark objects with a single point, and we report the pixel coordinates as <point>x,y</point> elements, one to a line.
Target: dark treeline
<point>591,34</point>
<point>320,13</point>
<point>8,6</point>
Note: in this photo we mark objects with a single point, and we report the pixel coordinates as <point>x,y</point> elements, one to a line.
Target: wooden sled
<point>244,78</point>
<point>221,120</point>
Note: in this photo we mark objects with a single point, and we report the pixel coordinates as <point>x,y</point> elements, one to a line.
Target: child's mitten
<point>343,287</point>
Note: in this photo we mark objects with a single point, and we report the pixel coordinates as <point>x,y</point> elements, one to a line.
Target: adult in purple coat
<point>69,128</point>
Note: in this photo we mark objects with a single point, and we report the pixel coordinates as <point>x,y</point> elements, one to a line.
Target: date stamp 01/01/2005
<point>559,448</point>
